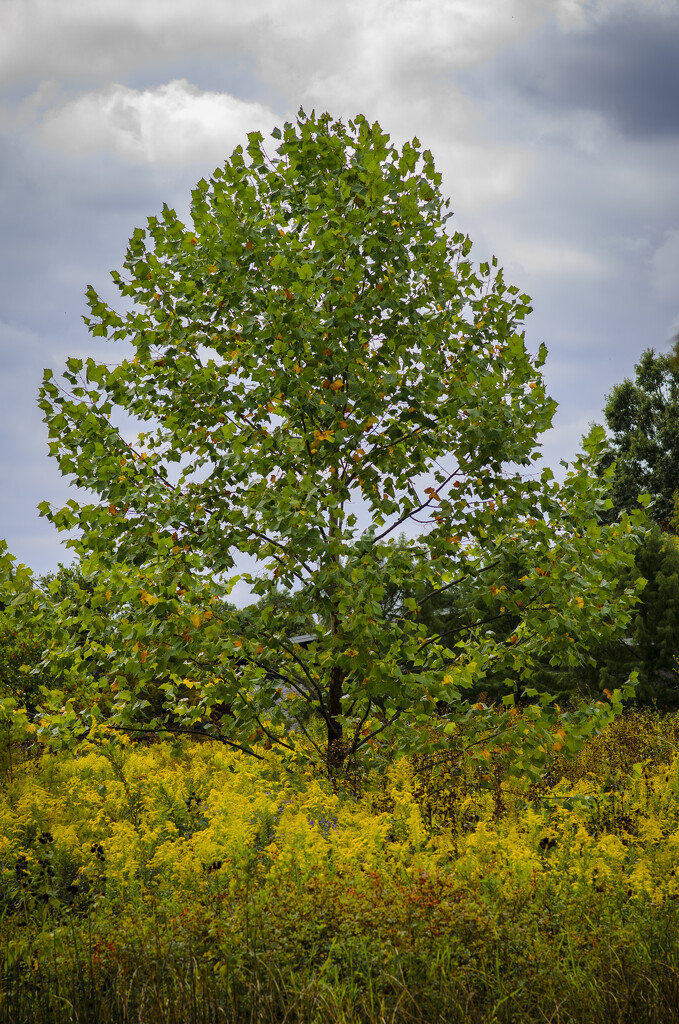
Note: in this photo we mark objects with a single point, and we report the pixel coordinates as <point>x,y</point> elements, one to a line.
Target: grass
<point>182,883</point>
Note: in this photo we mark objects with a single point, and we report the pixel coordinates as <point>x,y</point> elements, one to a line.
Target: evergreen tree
<point>643,422</point>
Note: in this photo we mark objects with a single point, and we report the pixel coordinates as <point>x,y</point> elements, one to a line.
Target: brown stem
<point>336,752</point>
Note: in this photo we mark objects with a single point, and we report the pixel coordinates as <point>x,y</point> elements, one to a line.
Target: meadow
<point>181,882</point>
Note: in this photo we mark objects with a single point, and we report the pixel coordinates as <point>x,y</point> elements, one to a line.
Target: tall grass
<point>185,884</point>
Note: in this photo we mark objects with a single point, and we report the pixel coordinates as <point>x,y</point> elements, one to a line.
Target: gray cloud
<point>622,64</point>
<point>70,40</point>
<point>665,266</point>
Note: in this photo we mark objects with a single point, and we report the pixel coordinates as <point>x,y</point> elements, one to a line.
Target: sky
<point>555,124</point>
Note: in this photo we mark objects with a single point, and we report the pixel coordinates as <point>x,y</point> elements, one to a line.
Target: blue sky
<point>554,122</point>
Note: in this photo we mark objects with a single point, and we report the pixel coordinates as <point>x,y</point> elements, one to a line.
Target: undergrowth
<point>183,883</point>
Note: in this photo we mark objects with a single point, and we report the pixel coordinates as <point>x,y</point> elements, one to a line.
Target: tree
<point>314,366</point>
<point>654,644</point>
<point>30,618</point>
<point>22,641</point>
<point>643,419</point>
<point>643,445</point>
<point>649,646</point>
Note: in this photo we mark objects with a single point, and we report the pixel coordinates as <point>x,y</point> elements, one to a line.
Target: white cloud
<point>393,60</point>
<point>174,123</point>
<point>69,38</point>
<point>553,259</point>
<point>665,267</point>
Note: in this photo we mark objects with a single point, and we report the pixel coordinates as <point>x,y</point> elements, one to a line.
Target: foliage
<point>30,610</point>
<point>19,647</point>
<point>315,366</point>
<point>651,647</point>
<point>642,416</point>
<point>186,882</point>
<point>648,649</point>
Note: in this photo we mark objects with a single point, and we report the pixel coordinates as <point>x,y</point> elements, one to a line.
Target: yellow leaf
<point>196,619</point>
<point>337,385</point>
<point>579,601</point>
<point>190,683</point>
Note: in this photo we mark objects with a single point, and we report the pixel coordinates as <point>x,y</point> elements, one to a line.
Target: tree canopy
<point>642,416</point>
<point>311,366</point>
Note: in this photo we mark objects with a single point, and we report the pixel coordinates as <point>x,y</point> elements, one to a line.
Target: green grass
<point>180,884</point>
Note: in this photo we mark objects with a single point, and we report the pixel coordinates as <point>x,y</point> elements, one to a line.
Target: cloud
<point>174,123</point>
<point>71,40</point>
<point>394,60</point>
<point>554,259</point>
<point>665,267</point>
<point>620,61</point>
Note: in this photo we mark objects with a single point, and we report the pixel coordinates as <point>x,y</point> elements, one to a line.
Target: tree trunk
<point>336,752</point>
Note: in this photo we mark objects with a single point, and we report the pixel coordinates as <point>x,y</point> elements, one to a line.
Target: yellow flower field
<point>134,875</point>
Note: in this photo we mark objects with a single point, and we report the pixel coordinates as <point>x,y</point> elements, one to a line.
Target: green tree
<point>642,416</point>
<point>22,639</point>
<point>314,365</point>
<point>650,645</point>
<point>22,643</point>
<point>31,614</point>
<point>655,635</point>
<point>19,647</point>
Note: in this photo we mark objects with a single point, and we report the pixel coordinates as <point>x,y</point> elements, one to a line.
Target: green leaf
<point>306,360</point>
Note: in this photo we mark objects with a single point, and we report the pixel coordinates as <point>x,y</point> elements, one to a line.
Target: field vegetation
<point>180,881</point>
